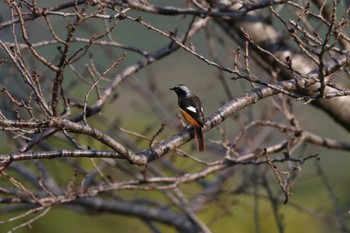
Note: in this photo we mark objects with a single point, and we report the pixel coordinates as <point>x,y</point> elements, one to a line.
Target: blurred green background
<point>234,212</point>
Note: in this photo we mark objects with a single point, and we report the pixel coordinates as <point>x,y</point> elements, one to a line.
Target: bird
<point>191,109</point>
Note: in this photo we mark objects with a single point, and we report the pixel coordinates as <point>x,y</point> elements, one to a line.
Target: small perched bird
<point>191,109</point>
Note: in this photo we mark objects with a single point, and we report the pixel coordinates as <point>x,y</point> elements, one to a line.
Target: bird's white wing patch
<point>191,109</point>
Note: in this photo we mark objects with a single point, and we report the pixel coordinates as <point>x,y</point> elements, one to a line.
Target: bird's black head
<point>182,91</point>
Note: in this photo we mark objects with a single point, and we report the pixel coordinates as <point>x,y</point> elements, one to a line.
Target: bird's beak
<point>173,88</point>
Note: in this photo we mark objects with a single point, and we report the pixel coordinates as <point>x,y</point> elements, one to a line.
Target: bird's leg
<point>185,127</point>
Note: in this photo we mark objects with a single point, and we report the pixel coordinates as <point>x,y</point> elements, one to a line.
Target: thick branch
<point>180,221</point>
<point>247,99</point>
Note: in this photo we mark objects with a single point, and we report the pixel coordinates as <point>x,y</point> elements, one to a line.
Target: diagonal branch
<point>245,100</point>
